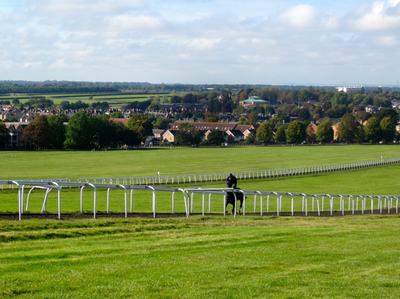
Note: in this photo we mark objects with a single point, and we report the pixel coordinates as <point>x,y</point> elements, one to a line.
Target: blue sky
<point>352,42</point>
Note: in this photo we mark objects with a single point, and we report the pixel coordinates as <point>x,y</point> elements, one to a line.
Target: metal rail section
<point>283,203</point>
<point>218,177</point>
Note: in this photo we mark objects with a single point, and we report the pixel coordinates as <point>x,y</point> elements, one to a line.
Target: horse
<point>232,197</point>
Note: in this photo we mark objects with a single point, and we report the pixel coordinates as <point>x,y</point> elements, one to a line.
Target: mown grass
<point>200,257</point>
<point>56,164</point>
<point>374,181</point>
<point>112,99</point>
<point>352,257</point>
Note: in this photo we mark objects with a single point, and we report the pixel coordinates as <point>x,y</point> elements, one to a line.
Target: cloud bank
<point>213,41</point>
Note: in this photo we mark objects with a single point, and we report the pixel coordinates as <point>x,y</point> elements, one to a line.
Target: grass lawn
<point>200,257</point>
<point>56,164</point>
<point>374,181</point>
<point>352,257</point>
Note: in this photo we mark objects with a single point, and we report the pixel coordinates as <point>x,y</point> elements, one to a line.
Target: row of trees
<point>349,130</point>
<point>85,132</point>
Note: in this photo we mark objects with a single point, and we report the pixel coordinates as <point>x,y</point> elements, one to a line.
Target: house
<point>312,128</point>
<point>15,131</point>
<point>235,135</point>
<point>10,115</point>
<point>335,129</point>
<point>169,136</point>
<point>345,89</point>
<point>123,121</point>
<point>234,131</point>
<point>157,133</point>
<point>253,102</point>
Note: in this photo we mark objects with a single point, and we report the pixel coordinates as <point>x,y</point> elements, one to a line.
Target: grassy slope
<point>353,257</point>
<point>180,161</point>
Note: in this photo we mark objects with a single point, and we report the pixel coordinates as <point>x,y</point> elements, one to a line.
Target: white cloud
<point>383,15</point>
<point>203,43</point>
<point>74,7</point>
<point>388,40</point>
<point>300,16</point>
<point>330,23</point>
<point>134,22</point>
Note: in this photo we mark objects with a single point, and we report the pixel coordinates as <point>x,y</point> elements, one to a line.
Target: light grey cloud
<point>220,41</point>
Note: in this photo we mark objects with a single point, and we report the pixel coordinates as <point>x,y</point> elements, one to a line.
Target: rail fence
<point>203,201</point>
<point>219,177</point>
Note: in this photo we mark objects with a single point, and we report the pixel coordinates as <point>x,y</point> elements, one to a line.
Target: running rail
<point>264,202</point>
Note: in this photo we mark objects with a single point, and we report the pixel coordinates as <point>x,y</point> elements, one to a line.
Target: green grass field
<point>211,257</point>
<point>352,257</point>
<point>112,98</point>
<point>53,164</point>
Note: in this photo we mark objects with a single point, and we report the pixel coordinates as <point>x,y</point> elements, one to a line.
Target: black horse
<point>232,198</point>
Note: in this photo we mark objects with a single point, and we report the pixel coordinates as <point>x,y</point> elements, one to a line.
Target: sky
<point>314,42</point>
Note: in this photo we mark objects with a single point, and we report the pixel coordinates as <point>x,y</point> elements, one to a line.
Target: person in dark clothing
<point>231,181</point>
<point>232,197</point>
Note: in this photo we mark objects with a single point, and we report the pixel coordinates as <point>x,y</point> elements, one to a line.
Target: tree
<point>37,133</point>
<point>216,137</point>
<point>161,123</point>
<point>388,129</point>
<point>142,125</point>
<point>79,132</point>
<point>187,135</point>
<point>296,132</point>
<point>264,133</point>
<point>280,134</point>
<point>3,135</point>
<point>325,132</point>
<point>57,131</point>
<point>372,130</point>
<point>350,129</point>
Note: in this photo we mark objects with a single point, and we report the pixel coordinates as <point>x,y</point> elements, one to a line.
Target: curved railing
<point>262,202</point>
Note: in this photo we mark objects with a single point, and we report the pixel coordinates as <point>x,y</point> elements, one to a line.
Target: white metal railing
<point>264,202</point>
<point>218,177</point>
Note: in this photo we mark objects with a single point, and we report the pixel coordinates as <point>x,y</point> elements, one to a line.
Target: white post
<point>19,204</point>
<point>131,201</point>
<point>209,203</point>
<point>372,205</point>
<point>94,202</point>
<point>306,204</point>
<point>59,202</point>
<point>261,204</point>
<point>312,204</point>
<point>192,202</point>
<point>292,206</point>
<point>277,205</point>
<point>268,203</point>
<point>22,198</point>
<point>225,204</point>
<point>173,202</point>
<point>126,202</point>
<point>154,204</point>
<point>46,195</point>
<point>81,199</point>
<point>108,200</point>
<point>319,213</point>
<point>202,203</point>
